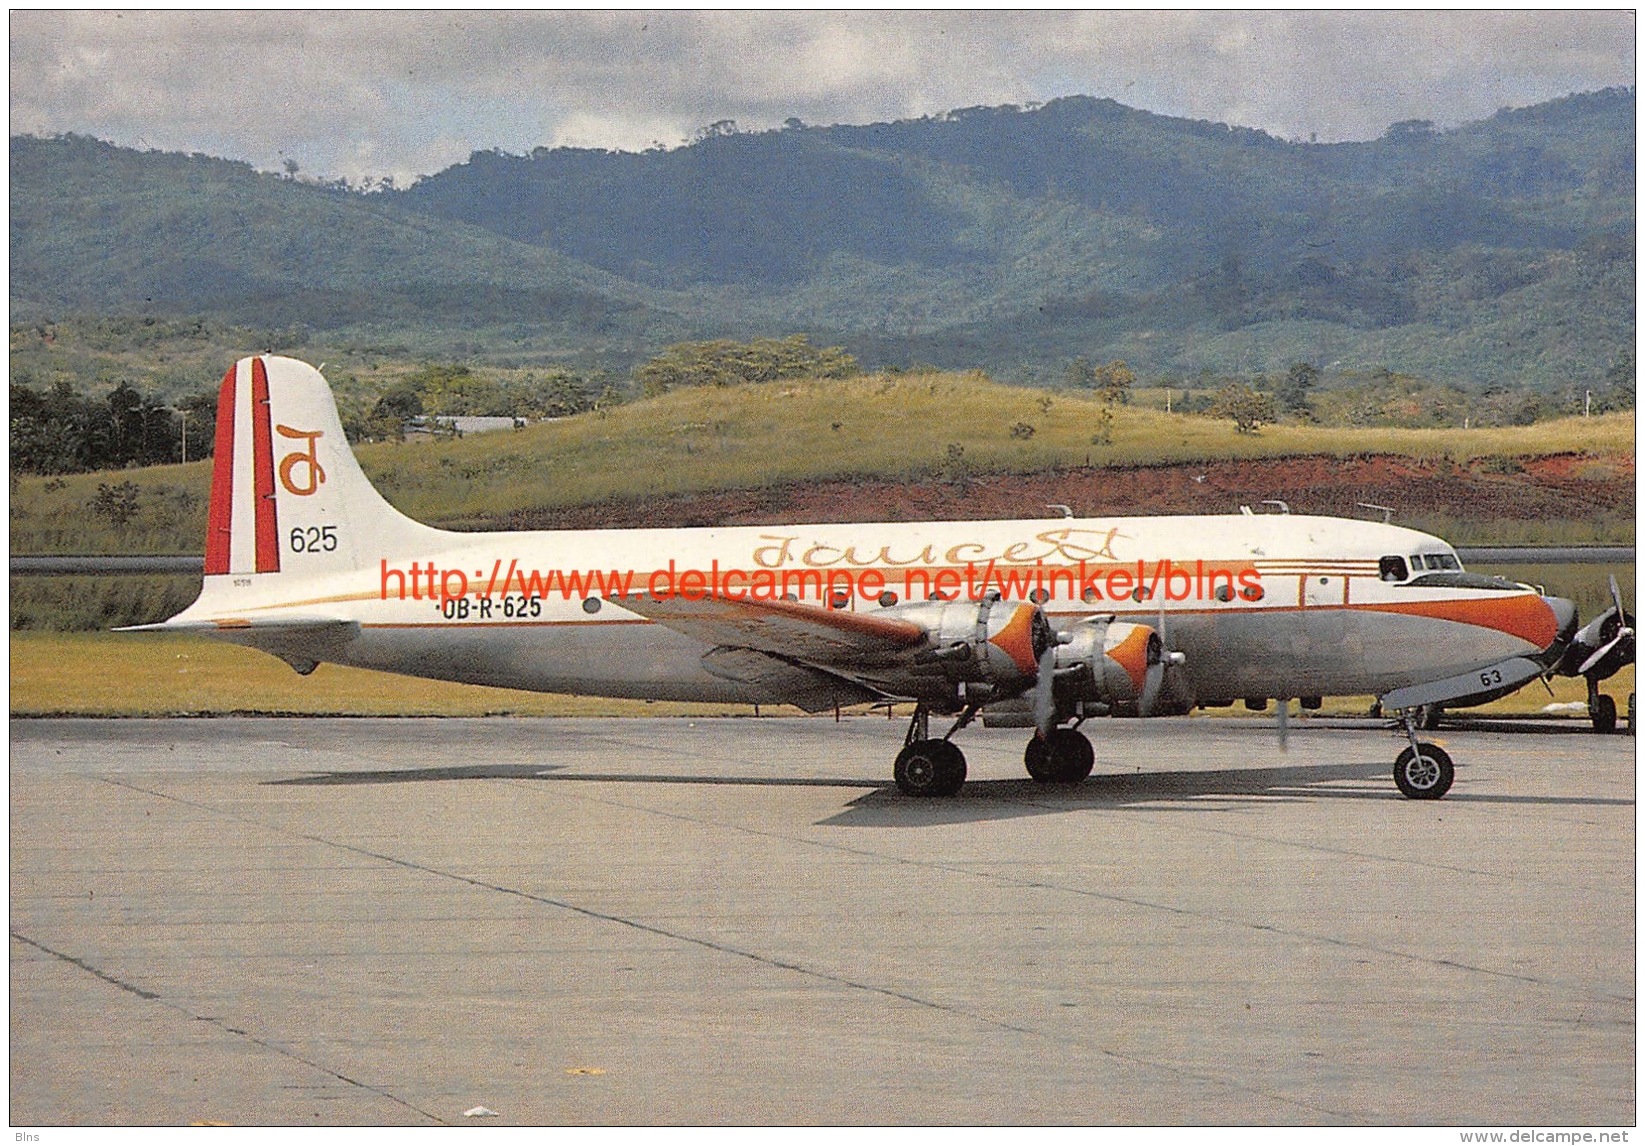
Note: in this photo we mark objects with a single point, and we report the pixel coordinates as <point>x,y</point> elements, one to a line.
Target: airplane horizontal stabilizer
<point>302,642</point>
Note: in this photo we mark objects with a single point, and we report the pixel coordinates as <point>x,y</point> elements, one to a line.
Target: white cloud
<point>358,93</point>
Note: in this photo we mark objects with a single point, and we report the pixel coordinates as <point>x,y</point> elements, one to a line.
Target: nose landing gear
<point>1423,771</point>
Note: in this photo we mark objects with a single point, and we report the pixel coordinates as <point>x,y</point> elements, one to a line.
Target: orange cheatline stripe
<point>1525,616</point>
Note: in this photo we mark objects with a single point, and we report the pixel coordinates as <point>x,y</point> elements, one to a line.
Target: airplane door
<point>1317,590</point>
<point>1329,649</point>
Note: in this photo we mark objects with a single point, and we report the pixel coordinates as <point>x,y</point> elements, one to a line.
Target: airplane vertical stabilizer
<point>287,496</point>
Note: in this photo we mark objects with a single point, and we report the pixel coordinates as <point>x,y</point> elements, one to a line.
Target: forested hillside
<point>1015,239</point>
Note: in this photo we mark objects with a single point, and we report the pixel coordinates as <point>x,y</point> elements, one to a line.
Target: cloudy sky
<point>360,94</point>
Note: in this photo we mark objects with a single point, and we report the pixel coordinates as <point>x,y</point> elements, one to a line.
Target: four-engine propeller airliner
<point>1040,624</point>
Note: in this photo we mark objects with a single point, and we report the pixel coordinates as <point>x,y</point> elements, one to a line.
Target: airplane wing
<point>806,687</point>
<point>794,632</point>
<point>811,655</point>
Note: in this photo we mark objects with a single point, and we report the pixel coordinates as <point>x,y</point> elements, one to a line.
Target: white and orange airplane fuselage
<point>1043,622</point>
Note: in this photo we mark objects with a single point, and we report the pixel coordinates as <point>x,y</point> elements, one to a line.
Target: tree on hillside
<point>1299,381</point>
<point>1619,384</point>
<point>387,421</point>
<point>59,431</point>
<point>1246,405</point>
<point>457,390</point>
<point>726,363</point>
<point>1113,382</point>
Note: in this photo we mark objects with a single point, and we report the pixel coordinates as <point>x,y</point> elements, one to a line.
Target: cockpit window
<point>1438,562</point>
<point>1456,579</point>
<point>1392,568</point>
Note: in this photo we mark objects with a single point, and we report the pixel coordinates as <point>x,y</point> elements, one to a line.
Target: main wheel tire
<point>1603,713</point>
<point>930,768</point>
<point>1424,773</point>
<point>1064,757</point>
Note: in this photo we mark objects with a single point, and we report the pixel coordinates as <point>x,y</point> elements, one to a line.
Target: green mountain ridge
<point>1012,239</point>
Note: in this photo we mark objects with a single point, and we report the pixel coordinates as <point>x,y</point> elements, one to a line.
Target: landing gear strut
<point>931,767</point>
<point>1423,771</point>
<point>1601,709</point>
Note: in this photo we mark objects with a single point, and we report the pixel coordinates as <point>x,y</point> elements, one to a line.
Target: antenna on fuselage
<point>1063,509</point>
<point>1283,508</point>
<point>1386,511</point>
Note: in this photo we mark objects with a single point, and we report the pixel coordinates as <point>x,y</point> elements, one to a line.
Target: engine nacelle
<point>986,650</point>
<point>1601,648</point>
<point>1102,662</point>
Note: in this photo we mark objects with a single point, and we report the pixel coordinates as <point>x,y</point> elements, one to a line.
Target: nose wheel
<point>1424,772</point>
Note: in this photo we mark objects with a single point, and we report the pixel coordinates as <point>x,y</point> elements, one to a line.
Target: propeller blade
<point>1045,701</point>
<point>1282,723</point>
<point>1624,632</point>
<point>1604,651</point>
<point>1151,681</point>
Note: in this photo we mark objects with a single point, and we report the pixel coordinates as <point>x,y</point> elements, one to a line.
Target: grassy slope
<point>751,436</point>
<point>121,674</point>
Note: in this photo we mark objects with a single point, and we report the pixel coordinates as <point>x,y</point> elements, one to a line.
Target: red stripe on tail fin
<point>262,454</point>
<point>220,512</point>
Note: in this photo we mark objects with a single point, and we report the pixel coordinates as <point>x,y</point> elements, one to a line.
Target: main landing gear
<point>929,766</point>
<point>1602,709</point>
<point>1423,771</point>
<point>1063,757</point>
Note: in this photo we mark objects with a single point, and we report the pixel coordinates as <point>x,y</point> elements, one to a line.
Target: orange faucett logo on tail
<point>315,474</point>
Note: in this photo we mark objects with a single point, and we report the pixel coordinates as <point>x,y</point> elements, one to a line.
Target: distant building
<point>460,424</point>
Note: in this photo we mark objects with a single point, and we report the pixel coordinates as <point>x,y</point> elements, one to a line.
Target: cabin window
<point>1393,568</point>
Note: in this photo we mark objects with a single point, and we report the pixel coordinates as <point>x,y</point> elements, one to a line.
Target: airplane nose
<point>1564,615</point>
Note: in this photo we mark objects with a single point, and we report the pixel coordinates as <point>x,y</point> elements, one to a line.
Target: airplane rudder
<point>220,508</point>
<point>284,480</point>
<point>330,515</point>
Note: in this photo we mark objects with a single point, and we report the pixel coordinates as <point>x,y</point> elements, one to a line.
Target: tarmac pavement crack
<point>1133,901</point>
<point>1130,1060</point>
<point>221,1024</point>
